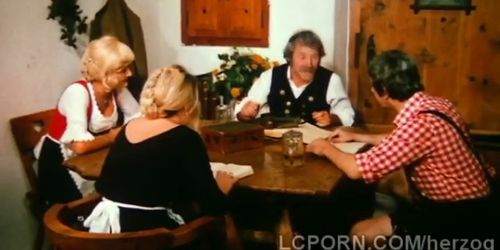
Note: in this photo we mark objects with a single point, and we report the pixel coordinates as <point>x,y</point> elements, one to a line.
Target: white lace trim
<point>85,186</point>
<point>38,147</point>
<point>98,122</point>
<point>75,132</point>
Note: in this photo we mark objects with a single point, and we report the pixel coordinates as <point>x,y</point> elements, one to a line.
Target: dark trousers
<point>461,219</point>
<point>351,201</point>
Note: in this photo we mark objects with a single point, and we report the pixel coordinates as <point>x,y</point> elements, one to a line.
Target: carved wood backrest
<point>27,131</point>
<point>63,225</point>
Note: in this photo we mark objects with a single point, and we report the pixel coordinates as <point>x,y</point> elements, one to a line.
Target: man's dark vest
<point>283,103</point>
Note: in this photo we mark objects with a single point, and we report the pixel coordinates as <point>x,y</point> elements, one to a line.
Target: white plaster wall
<point>161,22</point>
<point>35,66</point>
<point>286,17</point>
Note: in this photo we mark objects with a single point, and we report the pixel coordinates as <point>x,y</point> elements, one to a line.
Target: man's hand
<point>318,147</point>
<point>322,118</point>
<point>340,135</point>
<point>249,111</point>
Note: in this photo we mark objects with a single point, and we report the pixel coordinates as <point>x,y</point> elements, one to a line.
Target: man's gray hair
<point>303,37</point>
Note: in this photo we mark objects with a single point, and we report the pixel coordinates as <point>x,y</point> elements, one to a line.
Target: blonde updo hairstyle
<point>103,57</point>
<point>169,91</point>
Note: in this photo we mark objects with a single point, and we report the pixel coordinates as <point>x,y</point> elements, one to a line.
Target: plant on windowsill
<point>238,70</point>
<point>68,14</point>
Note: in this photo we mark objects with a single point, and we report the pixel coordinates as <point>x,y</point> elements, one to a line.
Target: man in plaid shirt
<point>451,183</point>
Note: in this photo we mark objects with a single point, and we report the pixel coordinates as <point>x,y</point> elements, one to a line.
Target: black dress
<point>170,169</point>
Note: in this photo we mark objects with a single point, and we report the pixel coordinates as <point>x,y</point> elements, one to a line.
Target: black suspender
<point>464,138</point>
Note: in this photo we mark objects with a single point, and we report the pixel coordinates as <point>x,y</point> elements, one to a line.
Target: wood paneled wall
<point>458,55</point>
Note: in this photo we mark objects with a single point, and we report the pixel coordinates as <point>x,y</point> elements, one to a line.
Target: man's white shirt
<point>336,96</point>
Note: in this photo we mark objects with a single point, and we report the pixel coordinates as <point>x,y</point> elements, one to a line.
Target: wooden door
<point>458,56</point>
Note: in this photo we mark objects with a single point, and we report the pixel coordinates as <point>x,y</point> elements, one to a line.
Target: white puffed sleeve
<point>127,104</point>
<point>339,102</point>
<point>258,93</point>
<point>73,105</point>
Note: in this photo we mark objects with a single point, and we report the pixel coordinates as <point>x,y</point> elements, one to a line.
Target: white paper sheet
<point>311,132</point>
<point>238,171</point>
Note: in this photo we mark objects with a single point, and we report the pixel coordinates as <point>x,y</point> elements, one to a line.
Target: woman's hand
<point>225,181</point>
<point>100,141</point>
<point>113,133</point>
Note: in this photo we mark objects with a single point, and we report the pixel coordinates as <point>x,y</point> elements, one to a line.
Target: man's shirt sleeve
<point>405,145</point>
<point>339,103</point>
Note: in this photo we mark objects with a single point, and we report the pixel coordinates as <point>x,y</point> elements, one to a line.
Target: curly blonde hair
<point>104,56</point>
<point>168,91</point>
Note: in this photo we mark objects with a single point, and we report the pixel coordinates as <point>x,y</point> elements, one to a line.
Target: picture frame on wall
<point>465,5</point>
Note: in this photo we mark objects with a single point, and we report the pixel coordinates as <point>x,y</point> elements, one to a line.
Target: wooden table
<point>317,177</point>
<point>89,165</point>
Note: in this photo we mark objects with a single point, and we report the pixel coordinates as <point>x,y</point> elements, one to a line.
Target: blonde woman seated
<point>87,113</point>
<point>159,163</point>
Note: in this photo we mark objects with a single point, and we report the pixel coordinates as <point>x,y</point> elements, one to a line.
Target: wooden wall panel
<point>458,55</point>
<point>480,85</point>
<point>438,63</point>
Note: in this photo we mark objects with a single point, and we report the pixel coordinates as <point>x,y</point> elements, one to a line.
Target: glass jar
<point>222,113</point>
<point>293,149</point>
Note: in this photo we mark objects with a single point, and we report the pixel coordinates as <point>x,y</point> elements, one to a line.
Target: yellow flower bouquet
<point>238,70</point>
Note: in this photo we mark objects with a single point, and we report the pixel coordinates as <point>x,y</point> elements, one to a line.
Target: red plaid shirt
<point>447,170</point>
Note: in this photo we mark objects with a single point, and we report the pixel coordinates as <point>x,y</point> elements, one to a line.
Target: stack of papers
<point>235,170</point>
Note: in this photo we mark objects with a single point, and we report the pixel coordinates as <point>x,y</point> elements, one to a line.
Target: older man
<point>300,88</point>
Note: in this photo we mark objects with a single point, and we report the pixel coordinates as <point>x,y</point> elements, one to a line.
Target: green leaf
<point>223,57</point>
<point>67,14</point>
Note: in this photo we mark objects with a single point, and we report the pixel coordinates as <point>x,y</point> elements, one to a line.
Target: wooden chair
<point>63,225</point>
<point>27,131</point>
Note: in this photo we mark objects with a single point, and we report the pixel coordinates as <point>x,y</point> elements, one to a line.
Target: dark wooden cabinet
<point>225,22</point>
<point>458,54</point>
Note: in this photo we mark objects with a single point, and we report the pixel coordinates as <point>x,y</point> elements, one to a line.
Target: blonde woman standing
<point>159,163</point>
<point>86,117</point>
